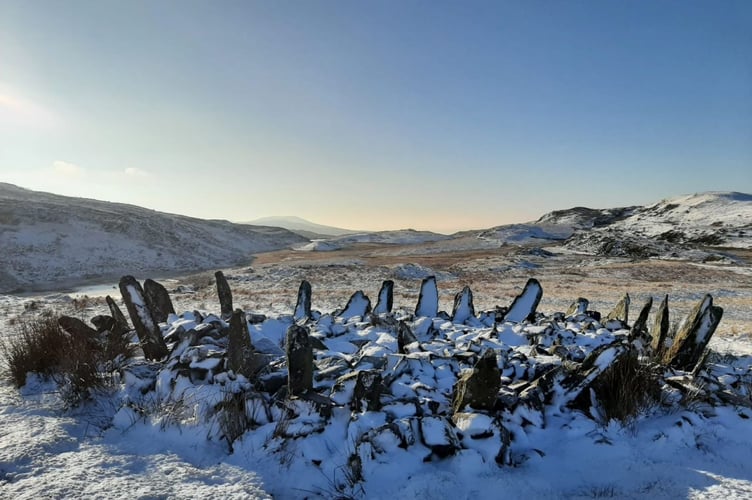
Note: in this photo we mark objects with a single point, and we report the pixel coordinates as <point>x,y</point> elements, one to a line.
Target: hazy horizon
<point>440,116</point>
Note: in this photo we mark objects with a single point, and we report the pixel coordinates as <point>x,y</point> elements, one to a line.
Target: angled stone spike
<point>480,387</point>
<point>240,357</point>
<point>405,337</point>
<point>463,308</point>
<point>225,295</point>
<point>299,352</point>
<point>146,326</point>
<point>525,304</point>
<point>158,300</point>
<point>428,301</point>
<point>660,328</point>
<point>303,305</point>
<point>621,311</point>
<point>120,322</point>
<point>640,326</point>
<point>693,335</point>
<point>358,305</point>
<point>579,306</point>
<point>386,297</point>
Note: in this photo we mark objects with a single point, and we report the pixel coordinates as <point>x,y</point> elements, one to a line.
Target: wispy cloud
<point>67,169</point>
<point>17,110</point>
<point>136,172</point>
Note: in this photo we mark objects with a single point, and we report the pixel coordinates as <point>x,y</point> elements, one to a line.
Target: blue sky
<point>375,115</point>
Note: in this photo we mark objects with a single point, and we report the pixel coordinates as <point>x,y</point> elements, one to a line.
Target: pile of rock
<point>438,382</point>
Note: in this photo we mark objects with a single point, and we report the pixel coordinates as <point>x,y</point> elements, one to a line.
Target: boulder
<point>147,327</point>
<point>299,352</point>
<point>225,295</point>
<point>103,323</point>
<point>524,305</point>
<point>463,306</point>
<point>478,388</point>
<point>405,337</point>
<point>579,306</point>
<point>438,435</point>
<point>158,300</point>
<point>428,300</point>
<point>386,298</point>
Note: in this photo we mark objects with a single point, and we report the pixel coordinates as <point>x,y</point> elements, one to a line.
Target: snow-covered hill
<point>672,226</point>
<point>301,226</point>
<point>48,240</point>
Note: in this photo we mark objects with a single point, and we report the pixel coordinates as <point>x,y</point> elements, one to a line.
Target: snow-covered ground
<point>98,450</point>
<point>106,448</point>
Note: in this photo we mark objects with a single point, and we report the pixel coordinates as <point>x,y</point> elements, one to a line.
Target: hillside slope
<point>50,240</point>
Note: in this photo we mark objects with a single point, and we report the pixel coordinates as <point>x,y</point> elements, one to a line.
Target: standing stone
<point>428,301</point>
<point>239,348</point>
<point>621,311</point>
<point>660,328</point>
<point>158,300</point>
<point>386,298</point>
<point>120,322</point>
<point>579,306</point>
<point>463,306</point>
<point>405,337</point>
<point>303,305</point>
<point>225,295</point>
<point>693,335</point>
<point>146,326</point>
<point>524,305</point>
<point>640,326</point>
<point>358,305</point>
<point>480,387</point>
<point>368,387</point>
<point>299,360</point>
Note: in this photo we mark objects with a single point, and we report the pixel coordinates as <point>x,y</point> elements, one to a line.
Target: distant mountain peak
<point>302,226</point>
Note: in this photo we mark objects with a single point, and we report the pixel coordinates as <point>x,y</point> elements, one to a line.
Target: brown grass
<point>79,365</point>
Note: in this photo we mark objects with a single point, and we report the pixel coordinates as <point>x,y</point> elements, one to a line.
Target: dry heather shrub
<point>77,364</point>
<point>627,388</point>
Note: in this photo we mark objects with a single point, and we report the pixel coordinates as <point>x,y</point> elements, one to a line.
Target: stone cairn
<point>486,379</point>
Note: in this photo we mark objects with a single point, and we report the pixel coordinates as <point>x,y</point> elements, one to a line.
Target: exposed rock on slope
<point>671,227</point>
<point>48,240</point>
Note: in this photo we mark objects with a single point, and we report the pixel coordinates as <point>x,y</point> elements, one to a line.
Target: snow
<point>136,442</point>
